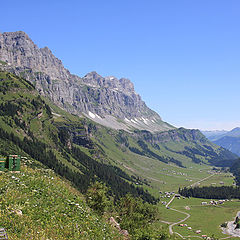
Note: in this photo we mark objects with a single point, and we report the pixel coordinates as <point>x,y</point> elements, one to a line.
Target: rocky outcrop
<point>107,100</point>
<point>175,135</point>
<point>116,225</point>
<point>18,49</point>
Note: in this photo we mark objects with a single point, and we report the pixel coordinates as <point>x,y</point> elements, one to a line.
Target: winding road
<point>173,224</point>
<point>187,214</point>
<point>183,220</point>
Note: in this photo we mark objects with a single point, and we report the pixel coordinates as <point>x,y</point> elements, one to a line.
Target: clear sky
<point>183,56</point>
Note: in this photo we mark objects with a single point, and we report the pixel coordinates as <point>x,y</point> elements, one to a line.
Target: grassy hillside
<point>28,126</point>
<point>37,204</point>
<point>158,166</point>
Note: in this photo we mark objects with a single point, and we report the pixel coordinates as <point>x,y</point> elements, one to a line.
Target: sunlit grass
<point>37,204</point>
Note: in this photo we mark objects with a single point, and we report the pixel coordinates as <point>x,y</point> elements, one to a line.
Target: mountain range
<point>93,127</point>
<point>227,139</point>
<point>107,100</point>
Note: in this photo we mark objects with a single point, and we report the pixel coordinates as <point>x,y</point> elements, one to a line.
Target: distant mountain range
<point>227,139</point>
<point>214,133</point>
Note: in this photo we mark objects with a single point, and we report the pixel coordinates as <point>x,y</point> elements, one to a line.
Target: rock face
<point>107,100</point>
<point>18,49</point>
<point>175,135</point>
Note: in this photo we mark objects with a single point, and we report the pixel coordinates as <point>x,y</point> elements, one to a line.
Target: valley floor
<point>191,218</point>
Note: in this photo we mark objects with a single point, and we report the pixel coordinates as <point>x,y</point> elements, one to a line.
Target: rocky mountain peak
<point>122,85</point>
<point>92,74</point>
<point>18,35</point>
<point>107,100</point>
<point>46,50</point>
<point>127,84</point>
<point>93,79</point>
<point>18,49</point>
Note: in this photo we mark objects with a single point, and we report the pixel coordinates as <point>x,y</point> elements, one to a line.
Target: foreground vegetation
<point>138,217</point>
<point>37,204</point>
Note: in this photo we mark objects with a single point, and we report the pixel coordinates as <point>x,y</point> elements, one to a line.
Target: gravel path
<point>183,220</point>
<point>194,184</point>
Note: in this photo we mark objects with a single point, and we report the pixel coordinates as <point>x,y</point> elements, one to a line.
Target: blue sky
<point>183,56</point>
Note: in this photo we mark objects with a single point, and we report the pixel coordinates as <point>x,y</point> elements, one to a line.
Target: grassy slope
<point>160,176</point>
<point>25,114</point>
<point>30,119</point>
<point>37,204</point>
<point>157,175</point>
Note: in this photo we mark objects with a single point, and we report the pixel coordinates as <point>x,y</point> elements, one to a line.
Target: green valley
<point>82,151</point>
<point>98,163</point>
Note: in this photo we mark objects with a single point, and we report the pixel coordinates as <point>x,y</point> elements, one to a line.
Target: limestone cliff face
<point>18,49</point>
<point>104,99</point>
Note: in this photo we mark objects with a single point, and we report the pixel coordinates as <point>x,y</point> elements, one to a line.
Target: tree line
<point>210,192</point>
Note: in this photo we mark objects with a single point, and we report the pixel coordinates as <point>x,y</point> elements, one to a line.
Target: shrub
<point>97,197</point>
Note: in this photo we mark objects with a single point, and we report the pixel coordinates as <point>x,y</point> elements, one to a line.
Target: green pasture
<point>159,175</point>
<point>206,218</point>
<point>219,179</point>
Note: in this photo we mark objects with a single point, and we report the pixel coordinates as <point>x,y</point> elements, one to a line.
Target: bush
<point>97,197</point>
<point>137,216</point>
